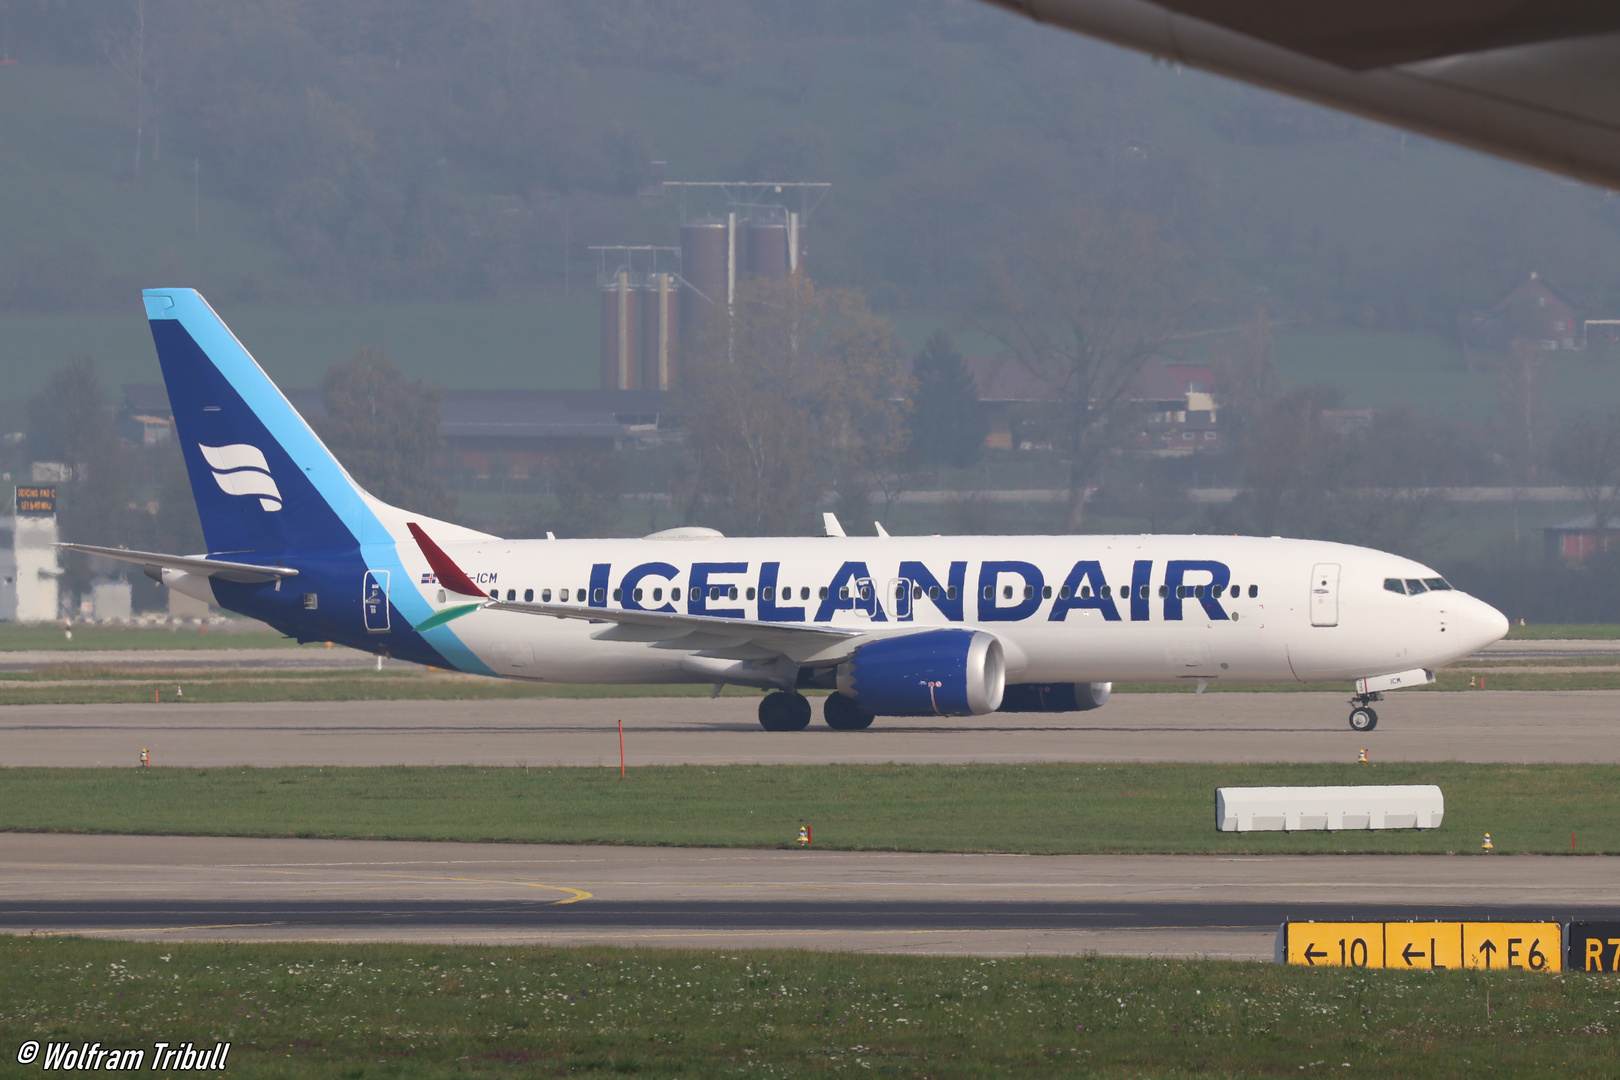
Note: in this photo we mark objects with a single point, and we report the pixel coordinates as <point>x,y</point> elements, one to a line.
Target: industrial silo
<point>705,259</point>
<point>768,249</point>
<point>660,330</point>
<point>775,246</point>
<point>621,333</point>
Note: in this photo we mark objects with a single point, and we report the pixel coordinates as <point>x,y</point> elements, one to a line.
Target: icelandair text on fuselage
<point>1005,591</point>
<point>93,1057</point>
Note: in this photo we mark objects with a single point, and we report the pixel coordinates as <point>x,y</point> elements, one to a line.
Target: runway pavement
<point>186,888</point>
<point>1485,726</point>
<point>176,888</point>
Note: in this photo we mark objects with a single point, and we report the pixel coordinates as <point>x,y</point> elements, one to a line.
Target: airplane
<point>890,625</point>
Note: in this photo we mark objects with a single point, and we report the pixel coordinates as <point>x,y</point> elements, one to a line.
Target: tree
<point>1521,392</point>
<point>1587,452</point>
<point>385,431</point>
<point>948,422</point>
<point>586,485</point>
<point>1083,304</point>
<point>71,422</point>
<point>798,389</point>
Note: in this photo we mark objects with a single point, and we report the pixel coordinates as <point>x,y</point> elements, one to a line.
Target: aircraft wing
<point>1533,80</point>
<point>191,564</point>
<point>706,635</point>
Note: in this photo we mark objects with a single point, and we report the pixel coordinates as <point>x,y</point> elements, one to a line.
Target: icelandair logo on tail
<point>240,469</point>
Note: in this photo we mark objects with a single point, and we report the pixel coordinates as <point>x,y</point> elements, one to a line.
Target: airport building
<point>29,568</point>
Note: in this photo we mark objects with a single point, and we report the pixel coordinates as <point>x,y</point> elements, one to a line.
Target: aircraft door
<point>900,591</point>
<point>866,598</point>
<point>1325,594</point>
<point>374,599</point>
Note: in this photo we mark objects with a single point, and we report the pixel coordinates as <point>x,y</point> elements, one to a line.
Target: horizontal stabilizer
<point>191,564</point>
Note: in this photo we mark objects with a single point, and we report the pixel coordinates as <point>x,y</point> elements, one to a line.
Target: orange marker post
<point>621,748</point>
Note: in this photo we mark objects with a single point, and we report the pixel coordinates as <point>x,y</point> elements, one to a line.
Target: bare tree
<point>385,430</point>
<point>801,388</point>
<point>127,53</point>
<point>1084,303</point>
<point>1587,452</point>
<point>1245,373</point>
<point>1520,390</point>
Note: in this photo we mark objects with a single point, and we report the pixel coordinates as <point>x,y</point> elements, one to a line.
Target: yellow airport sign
<point>1502,946</point>
<point>1418,946</point>
<point>1428,946</point>
<point>1328,944</point>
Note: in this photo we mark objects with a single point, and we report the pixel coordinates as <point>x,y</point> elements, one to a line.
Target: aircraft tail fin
<point>262,478</point>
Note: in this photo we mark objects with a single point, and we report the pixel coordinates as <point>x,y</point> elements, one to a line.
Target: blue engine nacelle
<point>929,673</point>
<point>1056,697</point>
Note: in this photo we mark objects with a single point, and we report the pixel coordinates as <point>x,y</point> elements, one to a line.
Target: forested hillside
<point>378,150</point>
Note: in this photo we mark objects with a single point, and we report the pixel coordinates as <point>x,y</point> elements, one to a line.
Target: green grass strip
<point>1036,809</point>
<point>330,1011</point>
<point>91,638</point>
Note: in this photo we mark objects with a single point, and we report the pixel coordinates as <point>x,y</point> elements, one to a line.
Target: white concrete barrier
<point>1292,809</point>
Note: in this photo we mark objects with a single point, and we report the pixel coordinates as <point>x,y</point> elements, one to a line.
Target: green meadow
<point>417,1010</point>
<point>1043,809</point>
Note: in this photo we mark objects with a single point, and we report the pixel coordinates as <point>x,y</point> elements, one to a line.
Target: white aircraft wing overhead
<point>705,635</point>
<point>1533,80</point>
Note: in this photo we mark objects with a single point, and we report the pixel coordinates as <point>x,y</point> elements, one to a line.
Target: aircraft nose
<point>1481,624</point>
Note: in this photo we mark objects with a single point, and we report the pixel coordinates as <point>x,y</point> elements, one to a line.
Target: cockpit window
<point>1393,584</point>
<point>1437,584</point>
<point>1414,586</point>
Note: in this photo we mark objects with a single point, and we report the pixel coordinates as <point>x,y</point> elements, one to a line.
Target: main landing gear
<point>1362,715</point>
<point>844,713</point>
<point>784,711</point>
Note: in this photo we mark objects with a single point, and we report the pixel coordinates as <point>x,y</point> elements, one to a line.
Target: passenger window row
<point>1412,586</point>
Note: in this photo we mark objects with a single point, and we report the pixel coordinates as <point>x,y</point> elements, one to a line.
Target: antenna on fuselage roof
<point>829,524</point>
<point>881,530</point>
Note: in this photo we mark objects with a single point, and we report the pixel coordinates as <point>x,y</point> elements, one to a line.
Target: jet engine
<point>930,673</point>
<point>1056,697</point>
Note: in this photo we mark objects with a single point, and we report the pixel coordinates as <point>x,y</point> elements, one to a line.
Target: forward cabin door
<point>1325,594</point>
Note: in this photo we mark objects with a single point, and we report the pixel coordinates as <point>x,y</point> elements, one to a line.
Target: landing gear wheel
<point>845,714</point>
<point>784,711</point>
<point>1363,718</point>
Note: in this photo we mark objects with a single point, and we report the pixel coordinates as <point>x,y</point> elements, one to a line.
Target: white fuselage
<point>1304,610</point>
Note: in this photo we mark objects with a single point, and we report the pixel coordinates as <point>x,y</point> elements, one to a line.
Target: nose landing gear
<point>1362,715</point>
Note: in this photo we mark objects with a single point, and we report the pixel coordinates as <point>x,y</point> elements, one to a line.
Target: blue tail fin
<point>262,479</point>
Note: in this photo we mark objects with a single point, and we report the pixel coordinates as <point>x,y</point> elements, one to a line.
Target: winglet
<point>449,574</point>
<point>829,523</point>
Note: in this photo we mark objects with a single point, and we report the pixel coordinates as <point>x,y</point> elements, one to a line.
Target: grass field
<point>92,637</point>
<point>1034,809</point>
<point>429,1011</point>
